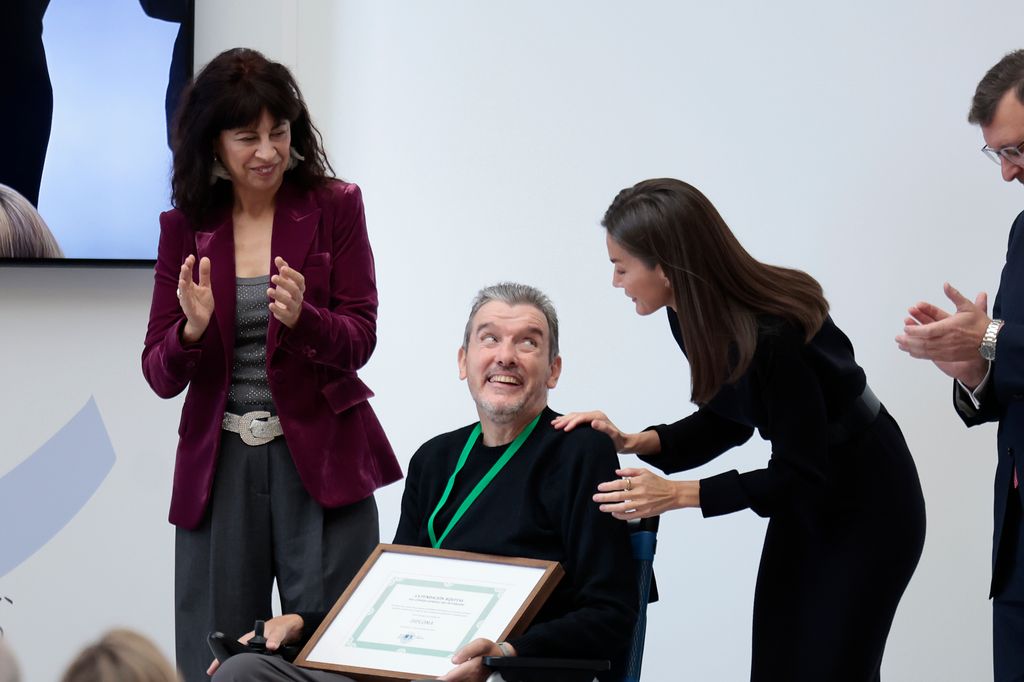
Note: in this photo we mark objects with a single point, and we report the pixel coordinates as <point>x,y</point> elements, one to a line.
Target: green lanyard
<point>435,541</point>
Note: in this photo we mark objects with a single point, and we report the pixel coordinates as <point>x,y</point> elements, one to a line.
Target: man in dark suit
<point>985,357</point>
<point>179,12</point>
<point>28,106</point>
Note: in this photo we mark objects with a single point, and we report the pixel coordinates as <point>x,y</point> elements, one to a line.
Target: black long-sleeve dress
<point>847,518</point>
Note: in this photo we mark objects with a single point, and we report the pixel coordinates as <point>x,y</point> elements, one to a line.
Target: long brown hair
<point>719,288</point>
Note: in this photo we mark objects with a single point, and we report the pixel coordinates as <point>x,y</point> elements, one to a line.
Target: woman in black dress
<point>841,490</point>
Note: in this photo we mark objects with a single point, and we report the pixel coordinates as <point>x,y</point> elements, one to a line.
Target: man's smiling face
<point>506,361</point>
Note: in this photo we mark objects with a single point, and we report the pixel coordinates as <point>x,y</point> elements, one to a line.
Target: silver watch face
<point>988,342</point>
<point>988,350</point>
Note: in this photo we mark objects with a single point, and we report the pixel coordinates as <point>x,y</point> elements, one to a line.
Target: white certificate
<point>411,608</point>
<point>426,616</point>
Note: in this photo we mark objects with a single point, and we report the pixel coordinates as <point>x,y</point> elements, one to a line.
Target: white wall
<point>488,140</point>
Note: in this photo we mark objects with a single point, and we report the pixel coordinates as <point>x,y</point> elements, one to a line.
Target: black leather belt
<point>855,419</point>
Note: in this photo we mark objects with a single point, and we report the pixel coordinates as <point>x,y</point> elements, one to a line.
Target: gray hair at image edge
<point>512,293</point>
<point>23,232</point>
<point>8,665</point>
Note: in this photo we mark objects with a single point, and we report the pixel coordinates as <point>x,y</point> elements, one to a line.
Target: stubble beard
<point>502,414</point>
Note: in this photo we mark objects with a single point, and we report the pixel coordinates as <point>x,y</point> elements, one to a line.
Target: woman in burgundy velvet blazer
<point>264,253</point>
<point>338,446</point>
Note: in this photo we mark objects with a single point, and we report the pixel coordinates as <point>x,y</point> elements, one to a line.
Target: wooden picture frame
<point>410,608</point>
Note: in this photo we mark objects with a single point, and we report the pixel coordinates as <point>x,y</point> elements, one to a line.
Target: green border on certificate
<point>494,593</point>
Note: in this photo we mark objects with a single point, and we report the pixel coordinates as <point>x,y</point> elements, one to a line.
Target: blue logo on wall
<point>42,494</point>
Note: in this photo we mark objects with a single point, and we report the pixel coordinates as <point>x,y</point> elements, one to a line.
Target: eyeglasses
<point>1014,155</point>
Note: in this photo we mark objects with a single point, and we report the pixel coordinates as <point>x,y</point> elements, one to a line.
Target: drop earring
<point>293,158</point>
<point>218,171</point>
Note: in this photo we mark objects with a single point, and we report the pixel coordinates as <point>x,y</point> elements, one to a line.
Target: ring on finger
<point>629,483</point>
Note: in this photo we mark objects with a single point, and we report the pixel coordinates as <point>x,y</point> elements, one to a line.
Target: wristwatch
<point>988,342</point>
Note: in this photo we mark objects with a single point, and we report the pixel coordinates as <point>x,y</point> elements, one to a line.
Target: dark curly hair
<point>230,92</point>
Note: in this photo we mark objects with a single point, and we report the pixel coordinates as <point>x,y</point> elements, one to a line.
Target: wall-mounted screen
<point>90,91</point>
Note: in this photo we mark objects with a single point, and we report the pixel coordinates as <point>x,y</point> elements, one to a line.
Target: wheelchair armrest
<point>533,669</point>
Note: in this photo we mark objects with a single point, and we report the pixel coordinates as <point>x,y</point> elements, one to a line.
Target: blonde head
<point>121,656</point>
<point>23,234</point>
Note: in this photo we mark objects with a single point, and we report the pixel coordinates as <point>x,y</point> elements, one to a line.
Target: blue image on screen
<point>107,171</point>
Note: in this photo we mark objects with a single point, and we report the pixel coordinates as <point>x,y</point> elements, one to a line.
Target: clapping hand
<point>286,294</point>
<point>196,300</point>
<point>950,340</point>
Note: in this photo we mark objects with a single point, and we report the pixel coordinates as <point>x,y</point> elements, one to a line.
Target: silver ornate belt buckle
<point>249,428</point>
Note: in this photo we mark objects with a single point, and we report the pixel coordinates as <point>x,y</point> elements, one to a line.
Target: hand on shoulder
<point>643,443</point>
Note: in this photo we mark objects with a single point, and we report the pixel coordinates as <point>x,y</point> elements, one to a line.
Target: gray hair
<point>23,233</point>
<point>513,293</point>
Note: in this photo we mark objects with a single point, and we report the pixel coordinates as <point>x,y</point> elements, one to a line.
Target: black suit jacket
<point>1002,399</point>
<point>180,12</point>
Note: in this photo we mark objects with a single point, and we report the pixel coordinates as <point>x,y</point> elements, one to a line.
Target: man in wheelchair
<point>537,504</point>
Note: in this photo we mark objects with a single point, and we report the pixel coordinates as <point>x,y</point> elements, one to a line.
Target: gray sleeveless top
<point>249,387</point>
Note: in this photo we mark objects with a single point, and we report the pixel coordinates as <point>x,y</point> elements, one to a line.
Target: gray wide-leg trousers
<point>261,525</point>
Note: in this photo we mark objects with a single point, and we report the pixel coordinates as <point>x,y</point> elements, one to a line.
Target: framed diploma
<point>409,609</point>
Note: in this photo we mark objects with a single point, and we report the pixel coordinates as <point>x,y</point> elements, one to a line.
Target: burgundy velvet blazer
<point>338,446</point>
